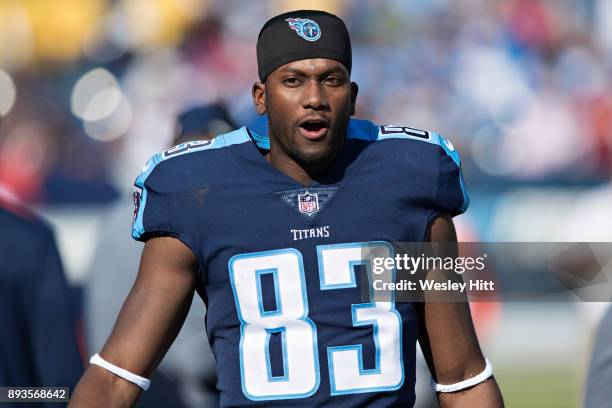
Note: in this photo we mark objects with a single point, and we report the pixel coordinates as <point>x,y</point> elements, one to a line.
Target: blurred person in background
<point>38,329</point>
<point>202,123</point>
<point>597,392</point>
<point>186,376</point>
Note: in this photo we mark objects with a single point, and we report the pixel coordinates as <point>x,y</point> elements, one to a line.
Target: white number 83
<point>301,376</point>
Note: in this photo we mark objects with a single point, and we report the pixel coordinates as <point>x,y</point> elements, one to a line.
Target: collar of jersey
<point>358,129</point>
<point>247,157</point>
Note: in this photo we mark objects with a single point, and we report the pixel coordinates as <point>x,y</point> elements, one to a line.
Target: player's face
<point>309,104</point>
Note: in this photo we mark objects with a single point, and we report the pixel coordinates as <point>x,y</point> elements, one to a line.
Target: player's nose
<point>314,96</point>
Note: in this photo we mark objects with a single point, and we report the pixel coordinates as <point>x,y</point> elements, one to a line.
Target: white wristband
<point>125,374</point>
<point>470,382</point>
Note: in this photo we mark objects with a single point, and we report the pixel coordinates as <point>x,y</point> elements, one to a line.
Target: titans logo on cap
<point>277,45</point>
<point>305,28</point>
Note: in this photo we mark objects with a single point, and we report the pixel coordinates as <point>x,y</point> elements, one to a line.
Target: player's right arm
<point>148,323</point>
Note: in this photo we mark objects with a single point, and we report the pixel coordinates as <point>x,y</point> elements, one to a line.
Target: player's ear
<point>354,91</point>
<point>259,97</point>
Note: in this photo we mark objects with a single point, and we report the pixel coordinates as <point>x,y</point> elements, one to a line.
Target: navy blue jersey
<point>38,345</point>
<point>281,263</point>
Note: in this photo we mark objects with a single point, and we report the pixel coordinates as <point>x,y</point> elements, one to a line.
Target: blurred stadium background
<point>89,89</point>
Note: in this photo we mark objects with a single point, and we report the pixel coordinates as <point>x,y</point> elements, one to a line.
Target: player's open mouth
<point>314,129</point>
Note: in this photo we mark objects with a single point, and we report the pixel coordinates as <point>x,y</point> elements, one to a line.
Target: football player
<point>276,234</point>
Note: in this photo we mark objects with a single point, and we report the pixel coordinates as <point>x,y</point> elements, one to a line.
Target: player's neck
<point>290,168</point>
<point>300,173</point>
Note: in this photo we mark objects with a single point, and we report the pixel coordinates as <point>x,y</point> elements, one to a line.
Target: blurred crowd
<point>90,88</point>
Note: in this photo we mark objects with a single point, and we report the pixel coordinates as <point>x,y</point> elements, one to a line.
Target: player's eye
<point>333,81</point>
<point>291,82</point>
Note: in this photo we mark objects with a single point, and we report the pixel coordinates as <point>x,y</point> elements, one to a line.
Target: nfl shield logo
<point>308,203</point>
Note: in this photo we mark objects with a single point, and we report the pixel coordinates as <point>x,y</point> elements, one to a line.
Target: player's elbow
<point>460,371</point>
<point>101,388</point>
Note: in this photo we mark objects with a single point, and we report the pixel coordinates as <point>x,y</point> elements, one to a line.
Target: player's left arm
<point>449,342</point>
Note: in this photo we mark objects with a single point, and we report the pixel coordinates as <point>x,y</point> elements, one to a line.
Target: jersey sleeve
<point>451,197</point>
<point>152,210</point>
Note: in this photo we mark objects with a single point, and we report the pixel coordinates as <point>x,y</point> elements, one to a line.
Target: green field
<point>541,388</point>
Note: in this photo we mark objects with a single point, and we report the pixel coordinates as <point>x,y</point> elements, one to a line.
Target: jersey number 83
<point>301,368</point>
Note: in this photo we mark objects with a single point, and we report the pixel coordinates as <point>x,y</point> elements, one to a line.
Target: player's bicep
<point>156,307</point>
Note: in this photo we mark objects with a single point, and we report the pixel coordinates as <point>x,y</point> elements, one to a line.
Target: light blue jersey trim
<point>244,135</point>
<point>263,142</point>
<point>366,130</point>
<point>450,150</point>
<point>137,225</point>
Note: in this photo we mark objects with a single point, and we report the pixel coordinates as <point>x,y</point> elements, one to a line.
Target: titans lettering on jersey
<point>281,263</point>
